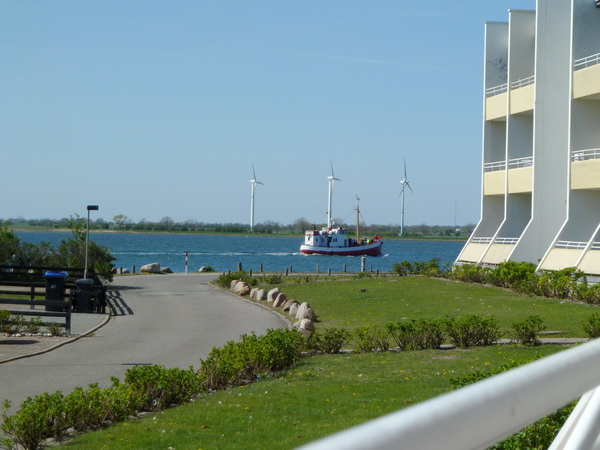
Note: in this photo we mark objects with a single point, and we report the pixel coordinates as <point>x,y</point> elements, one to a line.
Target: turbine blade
<point>405,177</point>
<point>253,172</point>
<point>408,184</point>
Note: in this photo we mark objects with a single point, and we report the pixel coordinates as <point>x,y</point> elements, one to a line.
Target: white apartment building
<point>541,139</point>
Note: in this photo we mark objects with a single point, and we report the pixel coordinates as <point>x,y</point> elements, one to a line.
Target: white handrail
<point>490,410</point>
<point>493,166</point>
<point>506,240</point>
<point>500,89</point>
<point>571,245</point>
<point>583,155</point>
<point>522,82</point>
<point>481,240</point>
<point>516,163</point>
<point>588,61</point>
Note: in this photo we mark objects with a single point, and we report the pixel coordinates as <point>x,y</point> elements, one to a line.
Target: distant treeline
<point>166,224</point>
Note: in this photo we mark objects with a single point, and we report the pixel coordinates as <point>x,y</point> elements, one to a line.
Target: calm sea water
<point>225,252</point>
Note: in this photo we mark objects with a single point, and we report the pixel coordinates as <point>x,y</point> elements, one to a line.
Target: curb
<point>60,344</point>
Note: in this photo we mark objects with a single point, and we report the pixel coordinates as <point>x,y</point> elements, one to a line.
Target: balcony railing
<point>595,246</point>
<point>571,245</point>
<point>496,90</point>
<point>588,61</point>
<point>481,240</point>
<point>494,166</point>
<point>506,241</point>
<point>522,82</point>
<point>517,163</point>
<point>583,155</point>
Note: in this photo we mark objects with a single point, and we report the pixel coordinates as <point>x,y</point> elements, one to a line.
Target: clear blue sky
<point>159,108</point>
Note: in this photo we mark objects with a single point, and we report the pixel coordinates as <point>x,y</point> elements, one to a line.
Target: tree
<point>302,225</point>
<point>166,223</point>
<point>120,220</point>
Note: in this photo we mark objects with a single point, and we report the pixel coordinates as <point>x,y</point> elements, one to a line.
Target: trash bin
<point>55,290</point>
<point>85,295</point>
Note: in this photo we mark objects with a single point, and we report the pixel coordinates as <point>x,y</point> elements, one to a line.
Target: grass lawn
<point>392,299</point>
<point>321,395</point>
<point>328,393</point>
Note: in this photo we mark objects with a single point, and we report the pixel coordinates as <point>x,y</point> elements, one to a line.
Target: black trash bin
<point>55,290</point>
<point>85,295</point>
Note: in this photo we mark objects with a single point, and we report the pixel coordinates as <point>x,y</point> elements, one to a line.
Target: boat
<point>334,240</point>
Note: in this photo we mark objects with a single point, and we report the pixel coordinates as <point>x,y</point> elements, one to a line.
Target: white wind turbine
<point>332,179</point>
<point>253,183</point>
<point>404,183</point>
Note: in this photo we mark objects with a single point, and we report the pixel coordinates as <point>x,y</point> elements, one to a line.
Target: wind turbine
<point>404,183</point>
<point>253,183</point>
<point>332,179</point>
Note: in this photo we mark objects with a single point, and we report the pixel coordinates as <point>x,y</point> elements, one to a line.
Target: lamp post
<point>87,237</point>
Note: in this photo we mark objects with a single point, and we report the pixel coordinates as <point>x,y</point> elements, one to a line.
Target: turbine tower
<point>332,179</point>
<point>253,183</point>
<point>404,183</point>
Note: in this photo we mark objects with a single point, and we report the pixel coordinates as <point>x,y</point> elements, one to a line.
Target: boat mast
<point>357,219</point>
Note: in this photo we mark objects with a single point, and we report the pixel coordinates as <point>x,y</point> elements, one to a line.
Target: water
<point>224,253</point>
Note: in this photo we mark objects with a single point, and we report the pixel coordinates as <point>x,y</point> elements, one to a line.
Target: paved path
<point>173,320</point>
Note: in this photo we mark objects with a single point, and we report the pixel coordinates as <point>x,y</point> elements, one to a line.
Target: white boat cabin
<point>330,237</point>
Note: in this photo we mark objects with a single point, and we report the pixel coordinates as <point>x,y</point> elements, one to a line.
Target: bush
<point>239,363</point>
<point>225,279</point>
<point>470,273</point>
<point>370,338</point>
<point>7,324</point>
<point>526,332</point>
<point>592,326</point>
<point>472,330</point>
<point>330,340</point>
<point>417,335</point>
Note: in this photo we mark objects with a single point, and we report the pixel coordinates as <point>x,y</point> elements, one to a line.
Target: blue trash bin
<point>56,283</point>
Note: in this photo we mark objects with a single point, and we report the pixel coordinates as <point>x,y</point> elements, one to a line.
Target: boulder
<point>244,290</point>
<point>301,309</point>
<point>232,284</point>
<point>241,286</point>
<point>272,294</point>
<point>150,268</point>
<point>308,314</point>
<point>288,304</point>
<point>261,295</point>
<point>293,309</point>
<point>307,324</point>
<point>253,292</point>
<point>166,270</point>
<point>203,269</point>
<point>279,300</point>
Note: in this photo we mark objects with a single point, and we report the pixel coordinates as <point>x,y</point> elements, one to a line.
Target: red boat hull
<point>373,249</point>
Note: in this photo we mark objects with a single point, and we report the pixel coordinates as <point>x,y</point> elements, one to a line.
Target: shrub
<point>592,326</point>
<point>156,387</point>
<point>526,332</point>
<point>225,279</point>
<point>34,325</point>
<point>330,340</point>
<point>511,274</point>
<point>241,362</point>
<point>472,330</point>
<point>54,329</point>
<point>470,273</point>
<point>272,278</point>
<point>370,338</point>
<point>37,419</point>
<point>7,324</point>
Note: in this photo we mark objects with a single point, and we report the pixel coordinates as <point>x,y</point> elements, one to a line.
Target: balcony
<point>500,250</point>
<point>496,99</point>
<point>520,175</point>
<point>522,96</point>
<point>586,78</point>
<point>474,250</point>
<point>564,254</point>
<point>494,174</point>
<point>585,169</point>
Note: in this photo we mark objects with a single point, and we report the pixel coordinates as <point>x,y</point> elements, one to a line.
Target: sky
<point>161,108</point>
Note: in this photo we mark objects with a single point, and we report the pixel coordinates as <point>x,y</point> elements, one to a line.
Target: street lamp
<point>87,237</point>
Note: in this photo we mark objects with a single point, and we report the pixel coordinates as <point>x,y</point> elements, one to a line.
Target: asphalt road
<point>173,320</point>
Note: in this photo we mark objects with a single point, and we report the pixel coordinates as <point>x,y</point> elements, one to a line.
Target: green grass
<point>391,299</point>
<point>328,393</point>
<point>320,396</point>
